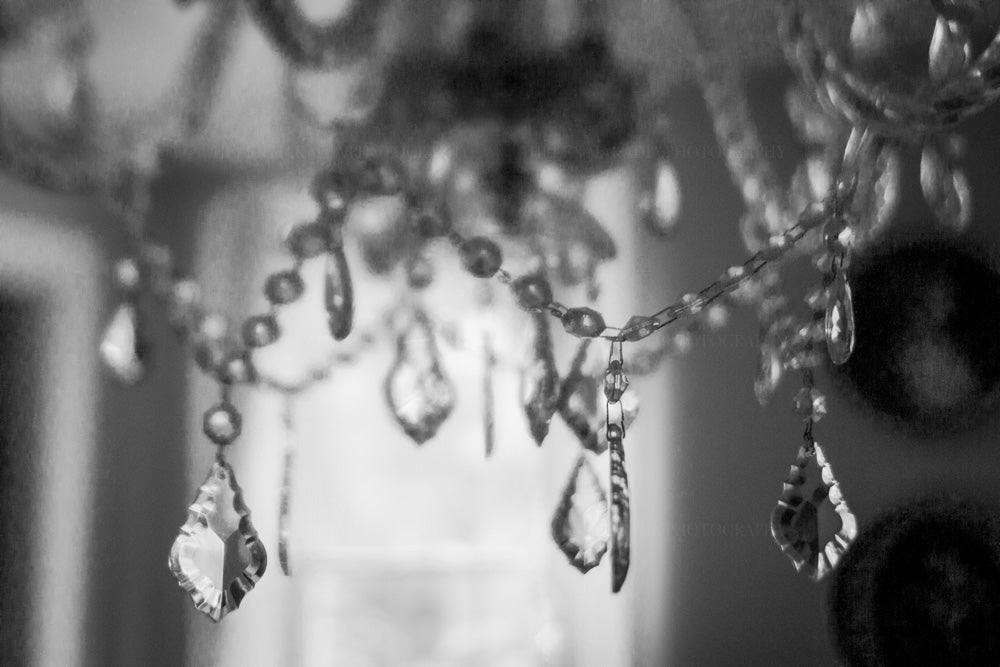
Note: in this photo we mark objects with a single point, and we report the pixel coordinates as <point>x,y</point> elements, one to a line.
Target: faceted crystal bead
<point>420,396</point>
<point>260,330</point>
<point>812,523</point>
<point>532,292</point>
<point>694,303</point>
<point>284,287</point>
<point>620,528</point>
<point>236,367</point>
<point>839,321</point>
<point>540,380</point>
<point>480,256</point>
<point>580,525</point>
<point>217,557</point>
<point>123,348</point>
<point>615,381</point>
<point>810,404</point>
<point>583,322</point>
<point>339,294</point>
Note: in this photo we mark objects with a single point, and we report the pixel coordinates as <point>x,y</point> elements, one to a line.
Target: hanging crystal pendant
<point>580,525</point>
<point>217,557</point>
<point>660,198</point>
<point>339,294</point>
<point>620,529</point>
<point>420,396</point>
<point>839,321</point>
<point>124,349</point>
<point>812,523</point>
<point>539,379</point>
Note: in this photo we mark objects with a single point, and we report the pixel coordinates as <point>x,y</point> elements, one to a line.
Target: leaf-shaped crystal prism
<point>539,379</point>
<point>217,557</point>
<point>419,394</point>
<point>839,322</point>
<point>339,294</point>
<point>812,523</point>
<point>620,528</point>
<point>123,346</point>
<point>580,524</point>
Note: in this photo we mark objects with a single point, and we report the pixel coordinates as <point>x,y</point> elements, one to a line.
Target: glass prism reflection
<point>812,523</point>
<point>580,526</point>
<point>839,323</point>
<point>419,394</point>
<point>217,557</point>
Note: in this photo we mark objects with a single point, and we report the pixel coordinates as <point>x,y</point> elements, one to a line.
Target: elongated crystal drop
<point>811,522</point>
<point>839,322</point>
<point>217,557</point>
<point>123,347</point>
<point>339,294</point>
<point>769,373</point>
<point>419,394</point>
<point>539,379</point>
<point>580,524</point>
<point>620,528</point>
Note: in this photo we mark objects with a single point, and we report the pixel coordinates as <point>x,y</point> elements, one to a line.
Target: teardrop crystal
<point>124,349</point>
<point>539,379</point>
<point>419,394</point>
<point>339,294</point>
<point>620,528</point>
<point>950,50</point>
<point>580,525</point>
<point>578,397</point>
<point>812,523</point>
<point>217,557</point>
<point>945,186</point>
<point>839,322</point>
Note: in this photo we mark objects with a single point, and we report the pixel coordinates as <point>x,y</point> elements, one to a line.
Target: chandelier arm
<point>307,44</point>
<point>723,90</point>
<point>891,114</point>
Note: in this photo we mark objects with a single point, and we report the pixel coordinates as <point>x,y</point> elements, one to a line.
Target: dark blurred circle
<point>921,586</point>
<point>927,315</point>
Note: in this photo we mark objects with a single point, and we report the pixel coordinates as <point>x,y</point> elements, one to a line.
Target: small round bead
<point>127,275</point>
<point>381,176</point>
<point>222,423</point>
<point>429,224</point>
<point>260,330</point>
<point>583,322</point>
<point>532,292</point>
<point>308,240</point>
<point>284,287</point>
<point>732,277</point>
<point>236,367</point>
<point>419,272</point>
<point>480,256</point>
<point>614,432</point>
<point>331,190</point>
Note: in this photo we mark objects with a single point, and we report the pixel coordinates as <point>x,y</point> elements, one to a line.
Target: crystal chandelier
<point>476,153</point>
